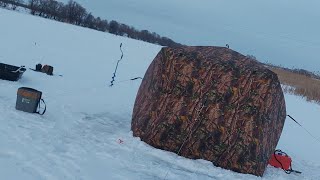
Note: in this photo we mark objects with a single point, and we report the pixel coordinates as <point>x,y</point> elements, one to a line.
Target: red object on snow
<point>280,160</point>
<point>120,141</point>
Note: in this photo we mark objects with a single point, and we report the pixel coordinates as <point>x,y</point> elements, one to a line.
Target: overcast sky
<point>283,32</point>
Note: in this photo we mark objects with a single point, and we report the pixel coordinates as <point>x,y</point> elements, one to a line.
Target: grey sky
<point>283,32</point>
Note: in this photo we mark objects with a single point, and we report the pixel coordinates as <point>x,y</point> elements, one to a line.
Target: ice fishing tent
<point>211,103</point>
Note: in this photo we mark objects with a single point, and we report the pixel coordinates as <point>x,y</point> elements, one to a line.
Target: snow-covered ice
<point>79,136</point>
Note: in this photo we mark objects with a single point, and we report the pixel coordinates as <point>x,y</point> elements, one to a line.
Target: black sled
<point>10,72</point>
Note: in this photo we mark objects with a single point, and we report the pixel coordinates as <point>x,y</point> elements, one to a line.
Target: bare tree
<point>89,21</point>
<point>75,12</point>
<point>114,27</point>
<point>3,3</point>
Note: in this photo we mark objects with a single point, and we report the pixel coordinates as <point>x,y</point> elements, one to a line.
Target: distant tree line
<point>74,13</point>
<point>301,71</point>
<point>12,3</point>
<point>307,73</point>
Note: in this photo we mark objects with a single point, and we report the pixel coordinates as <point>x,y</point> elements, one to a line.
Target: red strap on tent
<point>281,160</point>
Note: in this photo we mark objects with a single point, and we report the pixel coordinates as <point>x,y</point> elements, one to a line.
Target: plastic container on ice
<point>28,99</point>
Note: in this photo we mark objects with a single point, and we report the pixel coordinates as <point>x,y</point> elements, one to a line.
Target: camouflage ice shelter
<point>211,103</point>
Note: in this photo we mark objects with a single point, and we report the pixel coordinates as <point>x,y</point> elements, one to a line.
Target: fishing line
<point>132,79</point>
<point>304,128</point>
